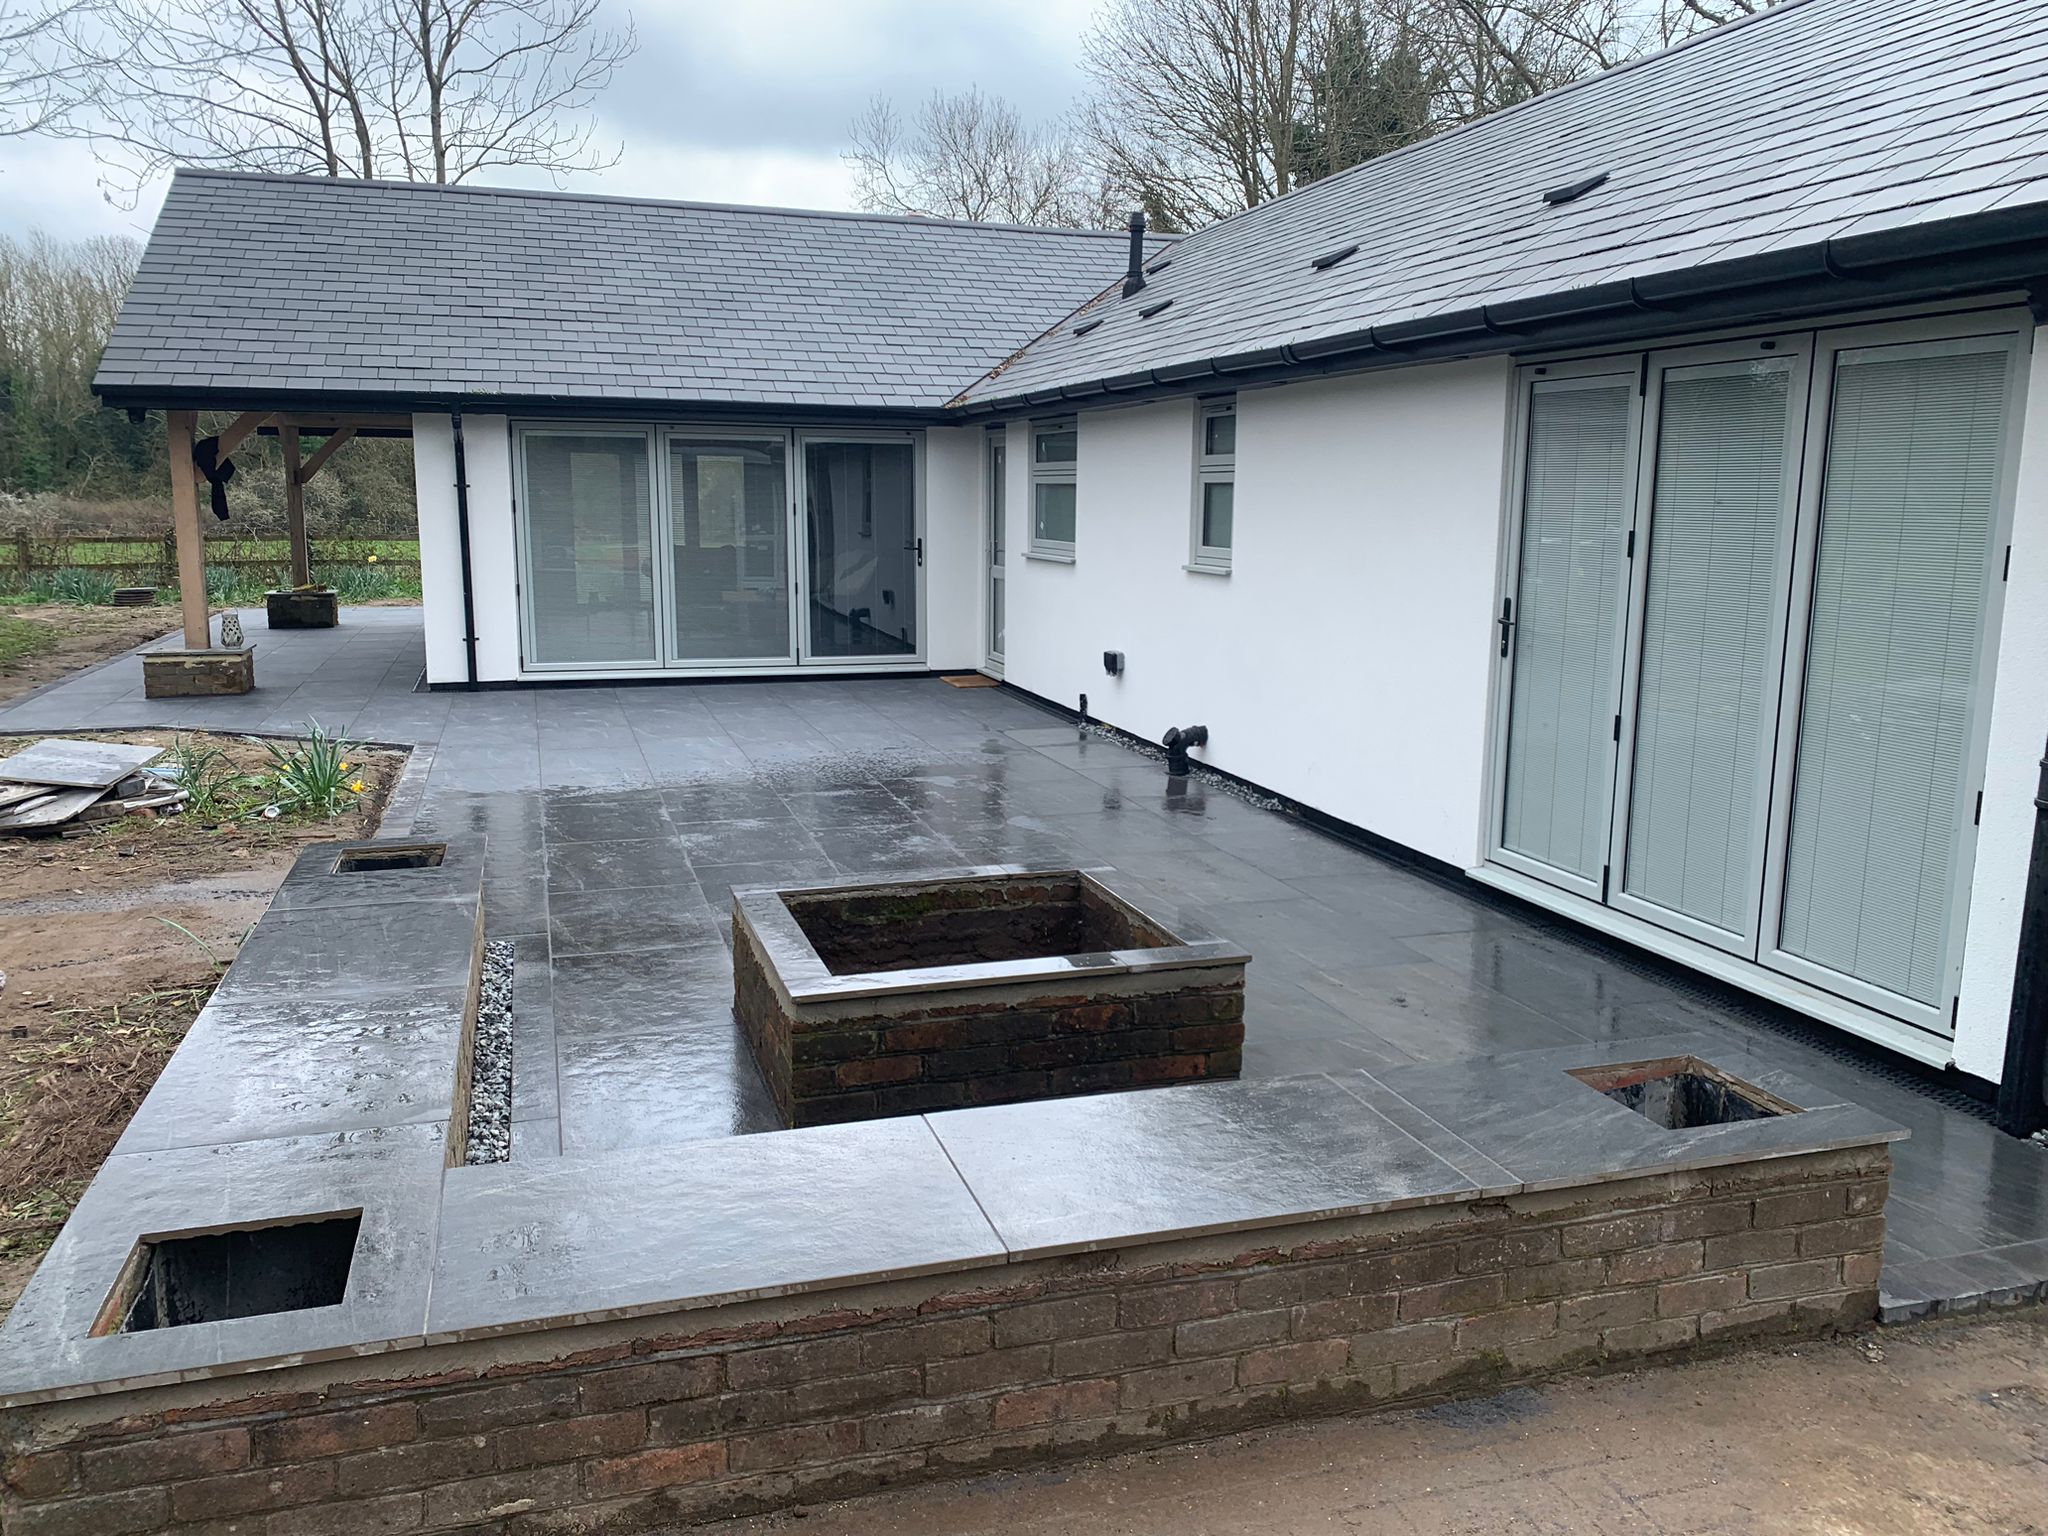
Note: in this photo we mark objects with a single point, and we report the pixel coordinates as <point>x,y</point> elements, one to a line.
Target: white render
<point>1344,660</point>
<point>2019,725</point>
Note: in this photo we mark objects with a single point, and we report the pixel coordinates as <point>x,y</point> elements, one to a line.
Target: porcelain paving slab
<point>1073,1175</point>
<point>70,764</point>
<point>1548,1129</point>
<point>577,1239</point>
<point>315,881</point>
<point>254,1068</point>
<point>392,1176</point>
<point>347,952</point>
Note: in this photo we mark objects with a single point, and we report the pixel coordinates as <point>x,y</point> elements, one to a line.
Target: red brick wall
<point>932,1051</point>
<point>739,1410</point>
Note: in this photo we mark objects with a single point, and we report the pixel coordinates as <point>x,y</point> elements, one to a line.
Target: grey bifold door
<point>1743,645</point>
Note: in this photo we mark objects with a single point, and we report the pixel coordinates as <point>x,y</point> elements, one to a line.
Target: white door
<point>729,531</point>
<point>1561,628</point>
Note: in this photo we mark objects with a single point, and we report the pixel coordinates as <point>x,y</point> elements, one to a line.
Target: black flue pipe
<point>2023,1085</point>
<point>1177,741</point>
<point>1134,279</point>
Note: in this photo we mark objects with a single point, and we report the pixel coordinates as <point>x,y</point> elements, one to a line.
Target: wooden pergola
<point>203,667</point>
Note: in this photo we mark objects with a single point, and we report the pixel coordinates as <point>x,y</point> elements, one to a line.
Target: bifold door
<point>1744,643</point>
<point>717,548</point>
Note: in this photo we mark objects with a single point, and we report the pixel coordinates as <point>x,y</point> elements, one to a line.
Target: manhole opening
<point>1681,1092</point>
<point>171,1282</point>
<point>358,861</point>
<point>915,926</point>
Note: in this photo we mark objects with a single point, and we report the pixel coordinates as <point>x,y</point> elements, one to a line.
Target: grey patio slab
<point>76,764</point>
<point>1075,1175</point>
<point>320,952</point>
<point>316,881</point>
<point>581,1239</point>
<point>392,1176</point>
<point>1526,1112</point>
<point>254,1067</point>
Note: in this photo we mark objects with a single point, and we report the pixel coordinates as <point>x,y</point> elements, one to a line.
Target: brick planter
<point>316,609</point>
<point>641,1424</point>
<point>979,987</point>
<point>198,674</point>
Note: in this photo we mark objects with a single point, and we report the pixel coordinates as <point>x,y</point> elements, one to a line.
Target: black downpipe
<point>1177,741</point>
<point>2023,1085</point>
<point>462,534</point>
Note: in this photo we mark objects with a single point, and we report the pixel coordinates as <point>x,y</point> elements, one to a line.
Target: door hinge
<point>1630,552</point>
<point>2005,572</point>
<point>1977,816</point>
<point>1617,727</point>
<point>1643,375</point>
<point>1605,870</point>
<point>1955,1009</point>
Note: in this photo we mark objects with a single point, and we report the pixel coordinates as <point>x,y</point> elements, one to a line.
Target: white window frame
<point>1212,469</point>
<point>1060,550</point>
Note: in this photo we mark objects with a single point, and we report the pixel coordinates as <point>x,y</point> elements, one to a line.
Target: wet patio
<point>619,819</point>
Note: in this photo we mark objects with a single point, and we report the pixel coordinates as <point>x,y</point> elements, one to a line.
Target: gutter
<point>1983,252</point>
<point>462,536</point>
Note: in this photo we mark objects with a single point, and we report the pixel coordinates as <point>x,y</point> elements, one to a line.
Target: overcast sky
<point>727,101</point>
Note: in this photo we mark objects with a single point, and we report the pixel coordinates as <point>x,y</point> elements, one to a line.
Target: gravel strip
<point>490,1070</point>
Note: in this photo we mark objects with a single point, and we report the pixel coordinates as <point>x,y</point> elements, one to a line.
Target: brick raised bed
<point>631,1426</point>
<point>947,991</point>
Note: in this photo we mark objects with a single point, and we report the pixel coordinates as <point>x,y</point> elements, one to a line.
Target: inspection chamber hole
<point>170,1282</point>
<point>362,861</point>
<point>1681,1092</point>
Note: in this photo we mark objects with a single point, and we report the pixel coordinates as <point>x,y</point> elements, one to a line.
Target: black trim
<point>462,537</point>
<point>2023,1085</point>
<point>672,680</point>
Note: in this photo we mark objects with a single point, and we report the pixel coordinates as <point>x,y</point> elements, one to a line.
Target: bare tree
<point>1196,102</point>
<point>422,90</point>
<point>970,156</point>
<point>38,76</point>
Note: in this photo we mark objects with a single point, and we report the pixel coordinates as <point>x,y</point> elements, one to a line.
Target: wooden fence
<point>154,562</point>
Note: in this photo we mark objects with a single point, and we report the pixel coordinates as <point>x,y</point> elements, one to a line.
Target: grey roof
<point>1839,126</point>
<point>277,286</point>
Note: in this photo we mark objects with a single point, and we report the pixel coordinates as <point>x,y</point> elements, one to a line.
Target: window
<point>1054,446</point>
<point>1215,483</point>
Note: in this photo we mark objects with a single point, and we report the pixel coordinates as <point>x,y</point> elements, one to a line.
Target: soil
<point>80,636</point>
<point>111,939</point>
<point>1940,1428</point>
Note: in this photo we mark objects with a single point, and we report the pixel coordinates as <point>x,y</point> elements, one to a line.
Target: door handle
<point>919,547</point>
<point>1506,621</point>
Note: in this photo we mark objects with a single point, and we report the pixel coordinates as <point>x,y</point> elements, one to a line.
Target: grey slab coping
<point>577,1240</point>
<point>796,966</point>
<point>392,1176</point>
<point>558,1242</point>
<point>66,764</point>
<point>314,881</point>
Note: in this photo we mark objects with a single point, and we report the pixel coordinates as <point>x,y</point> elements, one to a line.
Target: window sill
<point>1048,557</point>
<point>1205,568</point>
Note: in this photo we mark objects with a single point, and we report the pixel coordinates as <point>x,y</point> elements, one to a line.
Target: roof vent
<point>1159,266</point>
<point>1088,325</point>
<point>1152,309</point>
<point>1573,190</point>
<point>1329,259</point>
<point>1134,277</point>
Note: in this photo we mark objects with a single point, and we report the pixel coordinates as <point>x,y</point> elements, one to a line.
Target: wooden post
<point>185,523</point>
<point>295,506</point>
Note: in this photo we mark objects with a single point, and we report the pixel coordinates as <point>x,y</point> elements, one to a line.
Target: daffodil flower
<point>356,788</point>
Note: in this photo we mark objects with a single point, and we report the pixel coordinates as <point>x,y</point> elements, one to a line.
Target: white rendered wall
<point>954,572</point>
<point>2019,725</point>
<point>1345,660</point>
<point>493,557</point>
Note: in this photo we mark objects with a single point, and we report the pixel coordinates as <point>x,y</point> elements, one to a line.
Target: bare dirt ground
<point>77,637</point>
<point>111,939</point>
<point>1938,1428</point>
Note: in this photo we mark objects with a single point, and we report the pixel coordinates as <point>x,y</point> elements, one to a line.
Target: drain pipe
<point>2023,1085</point>
<point>462,535</point>
<point>1177,741</point>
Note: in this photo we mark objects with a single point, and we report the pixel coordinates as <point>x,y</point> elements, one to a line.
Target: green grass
<point>22,638</point>
<point>132,551</point>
